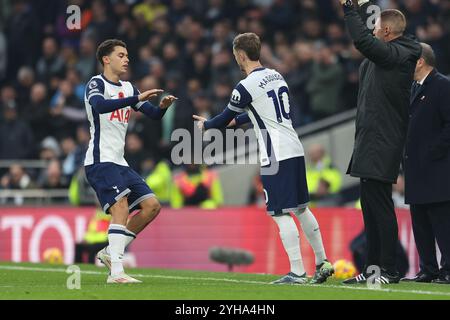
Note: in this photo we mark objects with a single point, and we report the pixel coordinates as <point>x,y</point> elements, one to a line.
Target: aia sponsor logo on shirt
<point>121,115</point>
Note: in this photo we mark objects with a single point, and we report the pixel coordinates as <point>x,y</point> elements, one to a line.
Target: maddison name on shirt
<point>269,78</point>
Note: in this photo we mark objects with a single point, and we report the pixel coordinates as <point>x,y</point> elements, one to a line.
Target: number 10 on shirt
<point>279,103</point>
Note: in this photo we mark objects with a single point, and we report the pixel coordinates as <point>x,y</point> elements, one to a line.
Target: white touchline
<point>420,292</point>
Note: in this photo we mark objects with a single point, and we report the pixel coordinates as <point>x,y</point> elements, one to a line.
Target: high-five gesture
<point>201,122</point>
<point>147,95</point>
<point>167,101</point>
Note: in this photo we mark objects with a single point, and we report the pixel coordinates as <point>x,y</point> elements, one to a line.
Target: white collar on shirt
<point>423,80</point>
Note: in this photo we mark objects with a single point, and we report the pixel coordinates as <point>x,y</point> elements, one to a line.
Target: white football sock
<point>130,236</point>
<point>291,242</point>
<point>312,232</point>
<point>117,239</point>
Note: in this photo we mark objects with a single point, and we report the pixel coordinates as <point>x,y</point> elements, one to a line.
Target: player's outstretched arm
<point>153,112</point>
<point>240,98</point>
<point>147,95</point>
<point>167,101</point>
<point>102,105</point>
<point>201,122</point>
<point>240,120</point>
<point>218,122</point>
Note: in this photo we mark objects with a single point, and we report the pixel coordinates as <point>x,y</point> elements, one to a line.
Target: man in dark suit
<point>427,168</point>
<point>385,78</point>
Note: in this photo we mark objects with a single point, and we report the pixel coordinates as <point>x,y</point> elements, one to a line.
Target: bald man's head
<point>428,55</point>
<point>316,152</point>
<point>390,25</point>
<point>426,62</point>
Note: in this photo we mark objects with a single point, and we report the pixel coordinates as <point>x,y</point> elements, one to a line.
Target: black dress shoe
<point>421,277</point>
<point>442,279</point>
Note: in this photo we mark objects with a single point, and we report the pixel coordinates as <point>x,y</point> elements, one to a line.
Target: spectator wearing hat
<point>50,149</point>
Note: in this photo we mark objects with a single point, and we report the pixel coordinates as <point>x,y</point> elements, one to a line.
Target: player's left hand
<point>167,101</point>
<point>201,122</point>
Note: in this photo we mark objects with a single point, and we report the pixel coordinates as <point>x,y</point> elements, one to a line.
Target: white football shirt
<point>108,130</point>
<point>264,94</point>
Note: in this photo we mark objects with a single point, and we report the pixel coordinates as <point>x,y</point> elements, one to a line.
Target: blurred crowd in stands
<point>185,48</point>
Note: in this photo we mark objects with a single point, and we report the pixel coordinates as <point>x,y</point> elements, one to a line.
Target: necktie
<point>416,88</point>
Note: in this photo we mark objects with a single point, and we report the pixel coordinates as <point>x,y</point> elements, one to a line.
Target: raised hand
<point>201,121</point>
<point>167,101</point>
<point>147,95</point>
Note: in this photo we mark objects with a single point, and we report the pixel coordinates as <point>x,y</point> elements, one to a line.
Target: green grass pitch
<point>40,281</point>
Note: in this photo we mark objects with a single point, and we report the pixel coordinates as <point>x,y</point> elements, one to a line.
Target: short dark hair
<point>106,47</point>
<point>428,54</point>
<point>396,18</point>
<point>249,43</point>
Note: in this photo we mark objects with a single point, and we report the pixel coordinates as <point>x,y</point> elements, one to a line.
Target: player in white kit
<point>109,103</point>
<point>263,98</point>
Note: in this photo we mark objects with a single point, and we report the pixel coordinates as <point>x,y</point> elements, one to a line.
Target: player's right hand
<point>201,122</point>
<point>147,95</point>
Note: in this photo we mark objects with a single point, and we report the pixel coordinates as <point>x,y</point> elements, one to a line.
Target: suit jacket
<point>427,156</point>
<point>385,78</point>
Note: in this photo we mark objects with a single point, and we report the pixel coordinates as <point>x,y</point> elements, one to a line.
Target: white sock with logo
<point>311,229</point>
<point>291,242</point>
<point>130,236</point>
<point>117,239</point>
